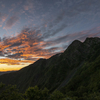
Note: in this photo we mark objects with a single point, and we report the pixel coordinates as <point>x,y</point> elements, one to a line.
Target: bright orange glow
<point>4,67</point>
<point>14,62</point>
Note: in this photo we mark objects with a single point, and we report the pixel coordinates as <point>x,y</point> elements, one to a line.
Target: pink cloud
<point>29,6</point>
<point>26,8</point>
<point>3,17</point>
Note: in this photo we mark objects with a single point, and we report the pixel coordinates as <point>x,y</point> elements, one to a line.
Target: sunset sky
<point>33,29</point>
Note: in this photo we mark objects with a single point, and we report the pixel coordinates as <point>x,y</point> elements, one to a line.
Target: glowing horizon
<point>4,67</point>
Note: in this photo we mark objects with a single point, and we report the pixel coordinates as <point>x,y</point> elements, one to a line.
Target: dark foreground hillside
<point>76,72</point>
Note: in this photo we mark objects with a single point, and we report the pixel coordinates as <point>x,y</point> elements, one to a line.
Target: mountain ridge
<point>53,72</point>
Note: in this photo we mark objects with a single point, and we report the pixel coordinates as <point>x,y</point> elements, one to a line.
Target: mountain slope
<point>86,82</point>
<point>57,71</point>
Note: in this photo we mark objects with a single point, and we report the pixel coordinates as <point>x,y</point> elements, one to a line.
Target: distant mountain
<point>59,70</point>
<point>1,73</point>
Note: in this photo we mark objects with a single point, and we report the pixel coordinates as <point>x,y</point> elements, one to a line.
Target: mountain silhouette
<point>59,70</point>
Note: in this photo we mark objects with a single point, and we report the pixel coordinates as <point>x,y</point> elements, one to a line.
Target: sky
<point>34,29</point>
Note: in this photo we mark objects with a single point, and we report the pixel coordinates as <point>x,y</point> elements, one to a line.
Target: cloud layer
<point>44,27</point>
<point>30,45</point>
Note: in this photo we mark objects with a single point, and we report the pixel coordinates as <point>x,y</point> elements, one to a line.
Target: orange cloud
<point>14,61</point>
<point>27,46</point>
<point>4,67</point>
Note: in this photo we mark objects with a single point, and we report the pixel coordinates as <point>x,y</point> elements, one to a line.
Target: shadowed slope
<point>56,71</point>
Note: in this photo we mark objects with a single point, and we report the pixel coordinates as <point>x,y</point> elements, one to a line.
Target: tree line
<point>10,92</point>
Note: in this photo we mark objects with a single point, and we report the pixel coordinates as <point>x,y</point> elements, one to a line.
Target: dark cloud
<point>1,54</point>
<point>53,49</point>
<point>51,32</point>
<point>11,22</point>
<point>57,19</point>
<point>80,6</point>
<point>16,56</point>
<point>32,59</point>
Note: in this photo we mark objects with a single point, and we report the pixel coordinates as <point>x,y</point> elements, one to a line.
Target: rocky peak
<point>76,42</point>
<point>74,45</point>
<point>92,40</point>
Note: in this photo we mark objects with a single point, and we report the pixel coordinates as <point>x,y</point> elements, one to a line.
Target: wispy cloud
<point>29,6</point>
<point>53,32</point>
<point>11,22</point>
<point>3,17</point>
